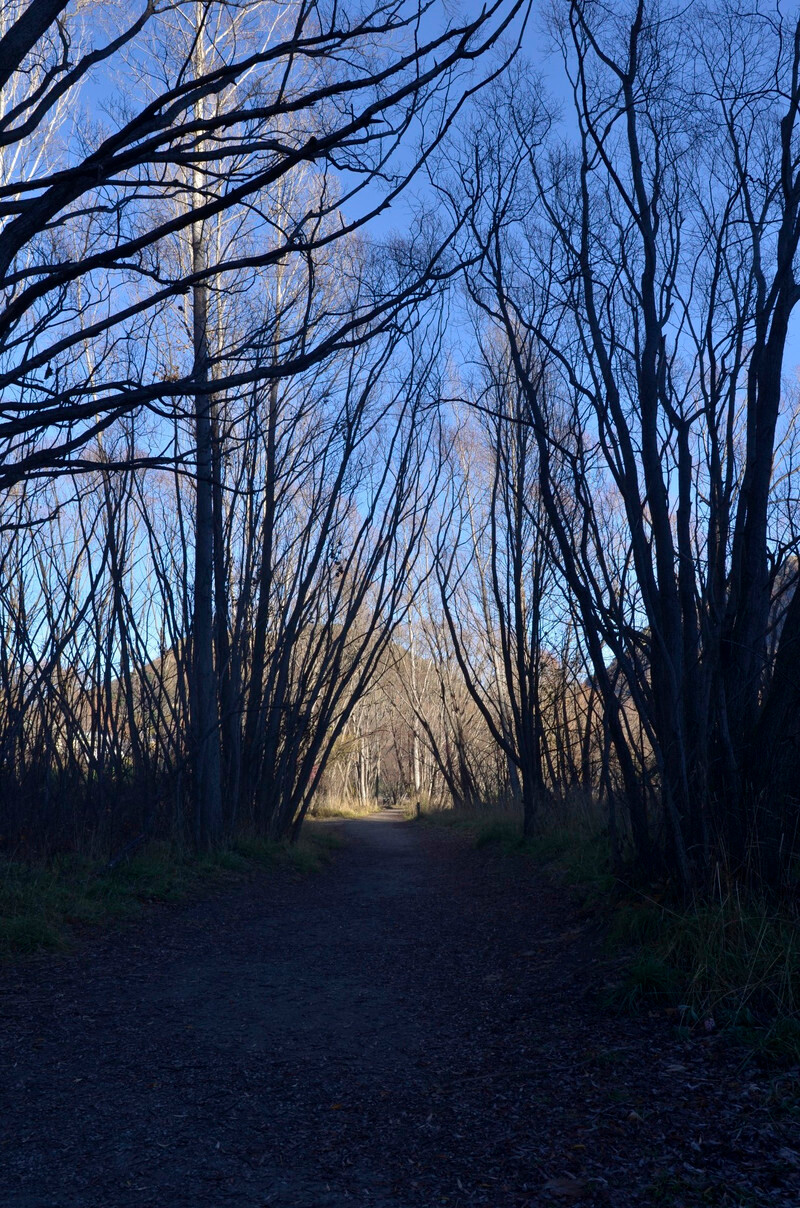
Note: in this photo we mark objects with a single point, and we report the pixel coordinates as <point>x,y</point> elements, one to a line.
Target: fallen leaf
<point>567,1188</point>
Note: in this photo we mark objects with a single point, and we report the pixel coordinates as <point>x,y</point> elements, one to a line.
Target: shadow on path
<point>417,1025</point>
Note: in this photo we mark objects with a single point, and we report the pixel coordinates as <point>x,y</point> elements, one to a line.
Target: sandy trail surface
<point>416,1025</point>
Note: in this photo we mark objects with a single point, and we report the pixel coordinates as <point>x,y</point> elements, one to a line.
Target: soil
<point>417,1025</point>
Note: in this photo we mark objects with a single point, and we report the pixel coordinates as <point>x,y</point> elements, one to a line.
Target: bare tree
<point>184,288</point>
<point>494,573</point>
<point>643,276</point>
<point>88,213</point>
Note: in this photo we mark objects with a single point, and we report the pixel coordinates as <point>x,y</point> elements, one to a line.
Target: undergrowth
<point>726,963</point>
<point>730,962</point>
<point>43,906</point>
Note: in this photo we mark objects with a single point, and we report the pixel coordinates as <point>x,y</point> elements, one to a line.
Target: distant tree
<point>495,577</point>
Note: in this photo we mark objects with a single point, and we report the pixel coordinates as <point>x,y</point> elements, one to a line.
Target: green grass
<point>731,963</point>
<point>44,906</point>
<point>647,978</point>
<point>578,856</point>
<point>581,859</point>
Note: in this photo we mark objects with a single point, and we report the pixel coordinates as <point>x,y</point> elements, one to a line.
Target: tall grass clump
<point>728,962</point>
<point>342,805</point>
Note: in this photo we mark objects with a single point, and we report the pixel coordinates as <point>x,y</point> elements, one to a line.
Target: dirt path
<point>415,1026</point>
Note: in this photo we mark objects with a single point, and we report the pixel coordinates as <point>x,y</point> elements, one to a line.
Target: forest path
<point>417,1025</point>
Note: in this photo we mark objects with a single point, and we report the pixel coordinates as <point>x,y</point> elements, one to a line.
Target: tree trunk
<point>208,794</point>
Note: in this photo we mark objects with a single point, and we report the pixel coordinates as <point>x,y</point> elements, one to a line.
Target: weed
<point>484,826</point>
<point>731,964</point>
<point>636,922</point>
<point>582,860</point>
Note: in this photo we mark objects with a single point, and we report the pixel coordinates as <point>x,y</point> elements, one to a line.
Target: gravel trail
<point>416,1025</point>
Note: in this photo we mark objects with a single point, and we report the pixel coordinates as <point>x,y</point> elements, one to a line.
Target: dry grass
<point>329,805</point>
